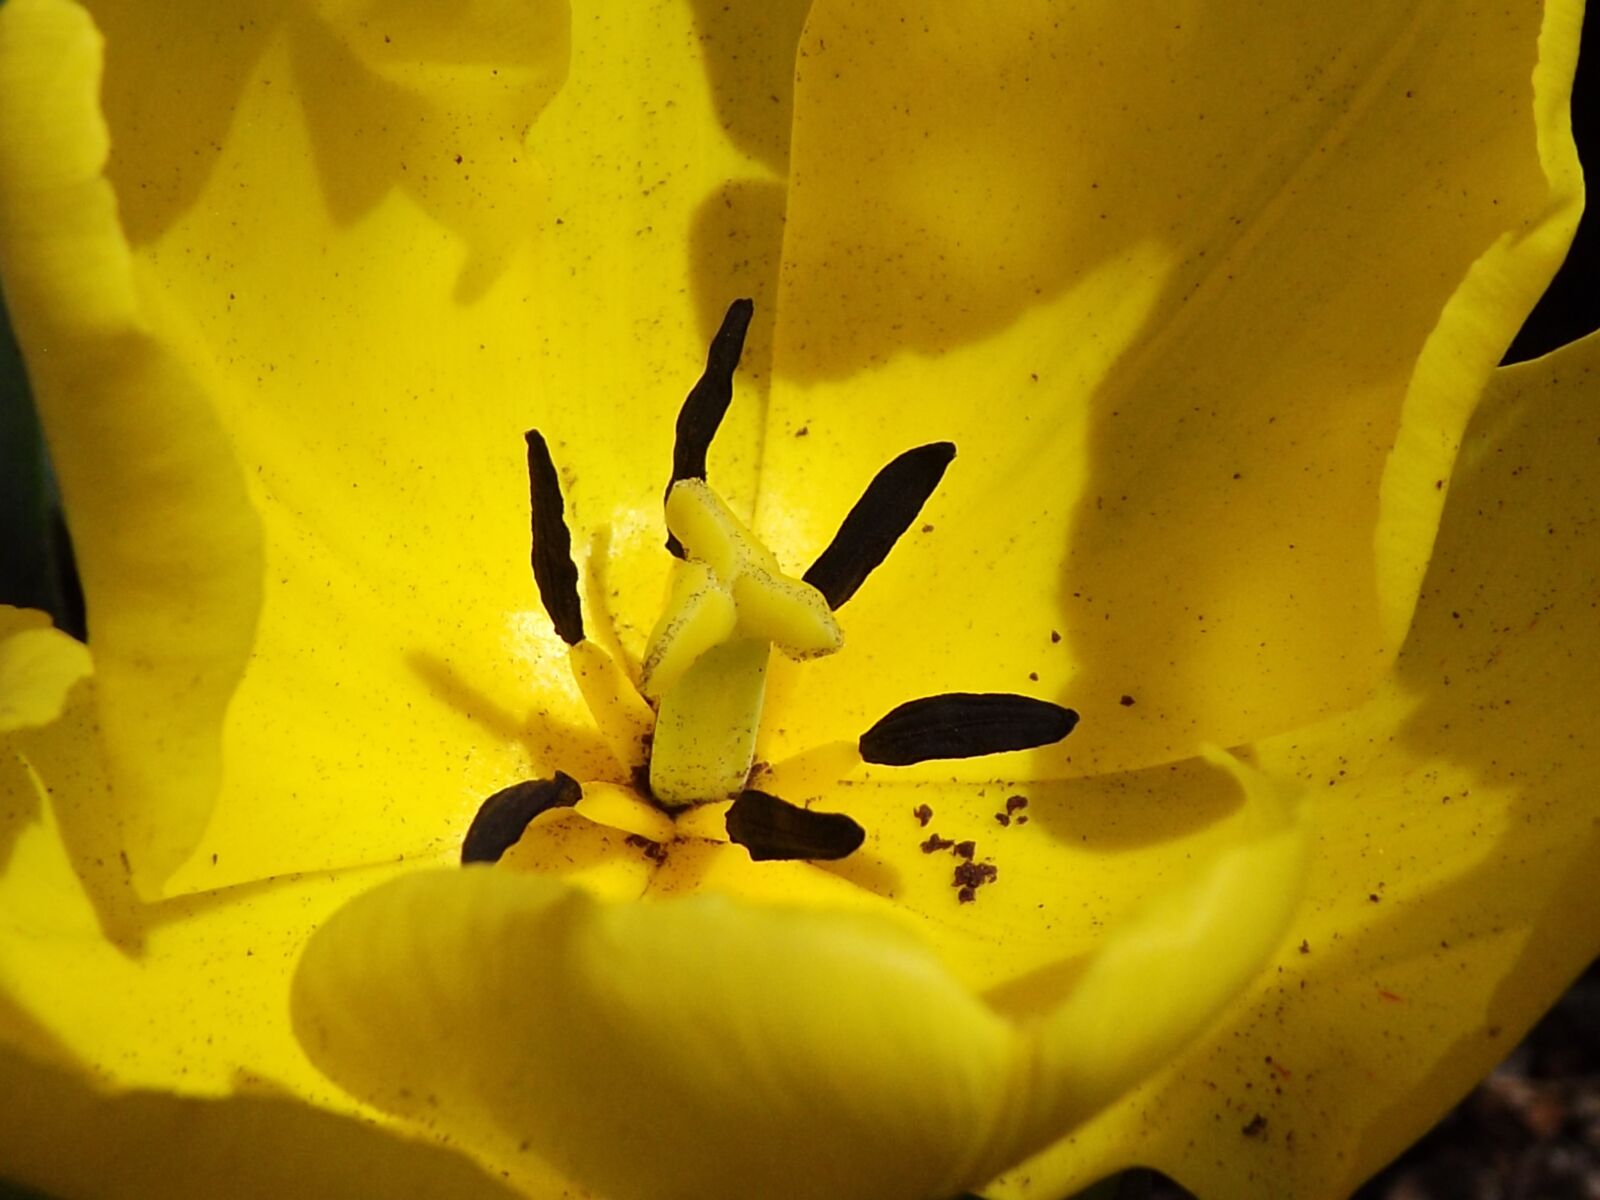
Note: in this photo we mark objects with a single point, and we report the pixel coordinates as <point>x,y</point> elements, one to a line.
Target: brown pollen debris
<point>970,876</point>
<point>654,851</point>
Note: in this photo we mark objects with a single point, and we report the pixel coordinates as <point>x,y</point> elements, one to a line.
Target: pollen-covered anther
<point>501,818</point>
<point>707,402</point>
<point>964,725</point>
<point>770,828</point>
<point>876,522</point>
<point>553,569</point>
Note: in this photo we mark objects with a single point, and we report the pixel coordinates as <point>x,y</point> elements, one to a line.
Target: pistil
<point>706,663</point>
<point>705,738</point>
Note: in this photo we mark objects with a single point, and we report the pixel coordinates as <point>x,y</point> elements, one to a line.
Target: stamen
<point>964,725</point>
<point>770,828</point>
<point>619,711</point>
<point>885,511</point>
<point>553,568</point>
<point>708,401</point>
<point>503,816</point>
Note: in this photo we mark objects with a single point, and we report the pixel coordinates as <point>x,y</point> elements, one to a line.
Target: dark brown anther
<point>770,828</point>
<point>553,568</point>
<point>964,725</point>
<point>885,511</point>
<point>708,400</point>
<point>503,816</point>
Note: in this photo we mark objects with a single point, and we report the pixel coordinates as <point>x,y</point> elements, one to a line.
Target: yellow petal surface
<point>186,995</point>
<point>38,666</point>
<point>395,245</point>
<point>1205,339</point>
<point>682,1048</point>
<point>1071,859</point>
<point>152,1042</point>
<point>164,537</point>
<point>1449,891</point>
<point>778,1045</point>
<point>402,672</point>
<point>73,1139</point>
<point>1132,1010</point>
<point>1162,976</point>
<point>588,846</point>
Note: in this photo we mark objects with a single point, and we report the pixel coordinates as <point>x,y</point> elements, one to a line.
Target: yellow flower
<point>1204,306</point>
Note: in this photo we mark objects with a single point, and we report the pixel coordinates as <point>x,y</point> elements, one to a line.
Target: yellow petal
<point>187,996</point>
<point>1191,919</point>
<point>1072,858</point>
<point>704,1046</point>
<point>165,539</point>
<point>1162,976</point>
<point>590,849</point>
<point>1205,338</point>
<point>386,322</point>
<point>691,1047</point>
<point>71,1138</point>
<point>156,1058</point>
<point>38,667</point>
<point>1449,892</point>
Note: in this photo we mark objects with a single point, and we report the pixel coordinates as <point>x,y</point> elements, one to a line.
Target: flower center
<point>688,730</point>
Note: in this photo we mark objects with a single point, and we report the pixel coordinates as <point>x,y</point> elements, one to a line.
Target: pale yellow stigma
<point>706,661</point>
